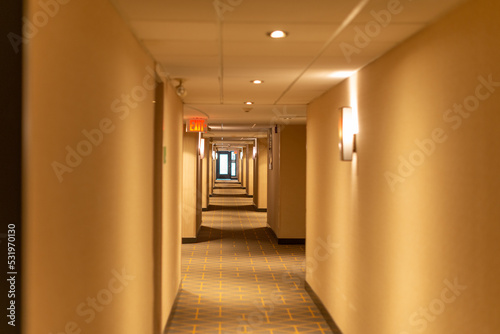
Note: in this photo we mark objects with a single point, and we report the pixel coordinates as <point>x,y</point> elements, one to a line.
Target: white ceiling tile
<point>421,11</point>
<point>297,33</point>
<point>170,62</point>
<point>182,48</point>
<point>175,31</point>
<point>289,11</point>
<point>266,74</point>
<point>169,10</point>
<point>281,50</point>
<point>264,62</point>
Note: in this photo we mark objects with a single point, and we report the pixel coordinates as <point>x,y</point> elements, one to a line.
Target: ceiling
<point>219,46</point>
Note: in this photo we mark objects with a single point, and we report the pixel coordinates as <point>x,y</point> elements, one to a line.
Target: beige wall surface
<point>172,199</point>
<point>292,181</point>
<point>89,113</point>
<point>204,176</point>
<point>243,163</point>
<point>260,175</point>
<point>273,185</point>
<point>191,191</point>
<point>286,209</point>
<point>256,178</point>
<point>211,164</point>
<point>404,239</point>
<point>251,167</point>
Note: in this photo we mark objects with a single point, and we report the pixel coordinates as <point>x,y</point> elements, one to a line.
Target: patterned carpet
<point>237,279</point>
<point>229,188</point>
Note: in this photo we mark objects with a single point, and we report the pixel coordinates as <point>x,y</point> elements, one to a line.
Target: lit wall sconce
<point>347,134</point>
<point>216,156</point>
<point>202,148</point>
<point>241,155</point>
<point>213,155</point>
<point>254,152</point>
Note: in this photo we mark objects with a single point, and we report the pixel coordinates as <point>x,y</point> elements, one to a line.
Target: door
<point>223,170</point>
<point>234,165</point>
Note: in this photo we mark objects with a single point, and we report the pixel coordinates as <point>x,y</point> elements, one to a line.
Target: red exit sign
<point>196,125</point>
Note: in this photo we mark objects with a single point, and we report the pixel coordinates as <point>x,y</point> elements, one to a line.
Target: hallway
<point>232,166</point>
<point>237,279</point>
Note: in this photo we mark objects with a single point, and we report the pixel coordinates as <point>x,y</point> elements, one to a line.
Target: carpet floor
<point>237,279</point>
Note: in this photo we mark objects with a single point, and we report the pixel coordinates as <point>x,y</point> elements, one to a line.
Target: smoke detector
<point>180,89</point>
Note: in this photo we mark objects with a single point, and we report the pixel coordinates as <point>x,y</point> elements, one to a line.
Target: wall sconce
<point>254,152</point>
<point>202,148</point>
<point>213,155</point>
<point>347,135</point>
<point>216,156</point>
<point>241,155</point>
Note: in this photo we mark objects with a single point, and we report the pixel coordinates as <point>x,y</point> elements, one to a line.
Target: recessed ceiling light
<point>278,34</point>
<point>257,82</point>
<point>248,103</point>
<point>342,74</point>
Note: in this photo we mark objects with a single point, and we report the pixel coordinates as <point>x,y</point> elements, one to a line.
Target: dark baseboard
<point>287,241</point>
<point>328,318</point>
<point>204,209</point>
<point>189,240</point>
<point>172,311</point>
<point>291,241</point>
<point>259,210</point>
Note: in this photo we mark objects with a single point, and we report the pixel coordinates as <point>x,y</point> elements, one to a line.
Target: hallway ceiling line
<point>354,13</point>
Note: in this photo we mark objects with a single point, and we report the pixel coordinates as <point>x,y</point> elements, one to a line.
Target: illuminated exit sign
<point>196,125</point>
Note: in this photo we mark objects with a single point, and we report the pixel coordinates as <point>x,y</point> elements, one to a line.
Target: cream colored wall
<point>256,179</point>
<point>204,175</point>
<point>260,175</point>
<point>190,184</point>
<point>251,167</point>
<point>273,186</point>
<point>262,161</point>
<point>286,201</point>
<point>292,182</point>
<point>243,168</point>
<point>416,250</point>
<point>89,219</point>
<point>210,172</point>
<point>199,194</point>
<point>172,197</point>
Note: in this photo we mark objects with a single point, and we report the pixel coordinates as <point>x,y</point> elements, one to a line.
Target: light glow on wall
<point>202,148</point>
<point>346,134</point>
<point>353,92</point>
<point>342,74</point>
